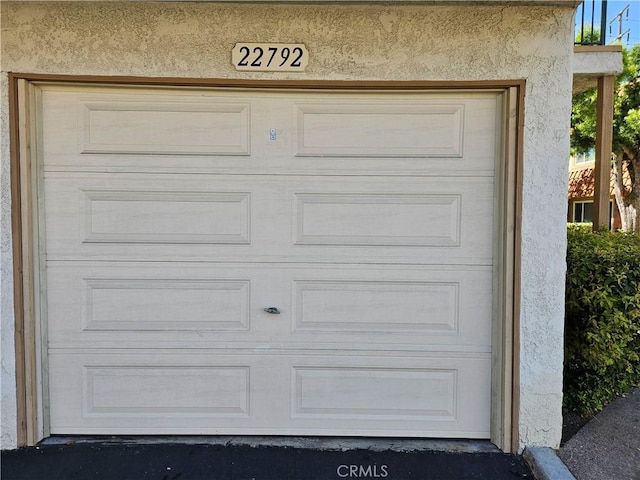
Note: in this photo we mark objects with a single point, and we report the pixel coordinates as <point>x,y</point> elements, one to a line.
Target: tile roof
<point>581,182</point>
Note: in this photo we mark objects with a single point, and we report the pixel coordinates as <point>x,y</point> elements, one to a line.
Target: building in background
<point>581,189</point>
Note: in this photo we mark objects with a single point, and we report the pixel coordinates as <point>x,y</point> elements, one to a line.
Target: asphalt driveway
<point>184,461</point>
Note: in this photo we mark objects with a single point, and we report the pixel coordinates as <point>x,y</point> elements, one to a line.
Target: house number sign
<point>270,57</point>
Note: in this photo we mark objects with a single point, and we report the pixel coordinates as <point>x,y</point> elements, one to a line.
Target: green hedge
<point>602,318</point>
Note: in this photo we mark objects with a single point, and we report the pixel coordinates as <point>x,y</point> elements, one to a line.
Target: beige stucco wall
<point>346,42</point>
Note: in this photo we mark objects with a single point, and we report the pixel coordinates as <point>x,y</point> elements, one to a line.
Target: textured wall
<point>7,377</point>
<point>346,42</point>
<point>588,65</point>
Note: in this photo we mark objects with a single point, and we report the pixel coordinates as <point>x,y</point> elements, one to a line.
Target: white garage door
<point>175,217</point>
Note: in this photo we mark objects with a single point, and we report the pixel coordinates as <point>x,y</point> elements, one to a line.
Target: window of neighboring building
<point>583,212</point>
<point>586,157</point>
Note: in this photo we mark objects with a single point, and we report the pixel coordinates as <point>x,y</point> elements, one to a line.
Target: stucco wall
<point>7,377</point>
<point>589,63</point>
<point>347,42</point>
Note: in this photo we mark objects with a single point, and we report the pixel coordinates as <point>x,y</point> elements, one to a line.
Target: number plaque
<point>270,57</point>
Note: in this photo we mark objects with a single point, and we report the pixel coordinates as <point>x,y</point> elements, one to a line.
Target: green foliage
<point>602,318</point>
<point>626,118</point>
<point>588,36</point>
<point>583,121</point>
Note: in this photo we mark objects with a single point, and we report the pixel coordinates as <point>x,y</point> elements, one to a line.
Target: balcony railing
<point>591,23</point>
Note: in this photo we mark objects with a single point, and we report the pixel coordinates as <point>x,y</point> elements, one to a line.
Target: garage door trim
<point>28,242</point>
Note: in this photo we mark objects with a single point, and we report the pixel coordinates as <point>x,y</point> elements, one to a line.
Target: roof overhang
<point>592,62</point>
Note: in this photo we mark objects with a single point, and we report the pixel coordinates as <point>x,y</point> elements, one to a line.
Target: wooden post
<point>604,140</point>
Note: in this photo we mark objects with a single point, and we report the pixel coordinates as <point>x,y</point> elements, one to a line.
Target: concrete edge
<point>312,443</point>
<point>545,464</point>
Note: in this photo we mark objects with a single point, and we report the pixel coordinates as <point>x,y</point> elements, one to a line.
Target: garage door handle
<point>272,310</point>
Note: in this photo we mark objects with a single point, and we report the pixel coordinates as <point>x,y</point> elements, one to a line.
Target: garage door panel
<point>175,306</point>
<point>170,390</point>
<point>104,390</point>
<point>141,130</point>
<point>432,307</point>
<point>161,304</point>
<point>381,129</point>
<point>175,216</point>
<point>205,128</point>
<point>385,220</point>
<point>116,122</point>
<point>346,392</point>
<point>451,392</point>
<point>279,219</point>
<point>216,393</point>
<point>165,217</point>
<point>389,307</point>
<point>133,305</point>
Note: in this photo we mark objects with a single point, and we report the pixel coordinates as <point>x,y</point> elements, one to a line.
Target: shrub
<point>602,318</point>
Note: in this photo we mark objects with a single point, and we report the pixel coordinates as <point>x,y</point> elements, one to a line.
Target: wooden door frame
<point>31,367</point>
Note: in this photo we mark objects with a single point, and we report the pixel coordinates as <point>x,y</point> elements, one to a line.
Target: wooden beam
<point>604,141</point>
<point>18,294</point>
<point>22,179</point>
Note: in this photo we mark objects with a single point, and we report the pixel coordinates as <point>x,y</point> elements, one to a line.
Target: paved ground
<point>608,447</point>
<point>166,461</point>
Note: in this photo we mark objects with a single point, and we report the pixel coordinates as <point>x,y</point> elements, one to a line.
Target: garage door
<point>269,262</point>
